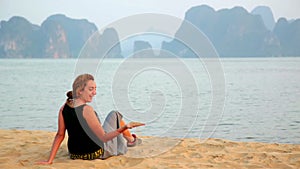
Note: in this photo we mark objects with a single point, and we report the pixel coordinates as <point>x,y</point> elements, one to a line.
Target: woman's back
<point>81,139</point>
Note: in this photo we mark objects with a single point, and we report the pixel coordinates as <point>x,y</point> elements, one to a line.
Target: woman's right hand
<point>44,163</point>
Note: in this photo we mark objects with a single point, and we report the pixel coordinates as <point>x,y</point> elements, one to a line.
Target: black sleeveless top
<point>82,141</point>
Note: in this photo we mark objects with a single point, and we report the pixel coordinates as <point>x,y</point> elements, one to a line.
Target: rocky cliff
<point>267,16</point>
<point>20,39</point>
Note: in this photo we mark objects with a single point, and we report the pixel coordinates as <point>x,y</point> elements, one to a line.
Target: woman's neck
<point>78,102</point>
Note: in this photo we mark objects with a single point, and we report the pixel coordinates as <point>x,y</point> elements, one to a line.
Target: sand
<point>22,149</point>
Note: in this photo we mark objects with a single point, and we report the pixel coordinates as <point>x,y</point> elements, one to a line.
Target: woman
<point>87,138</point>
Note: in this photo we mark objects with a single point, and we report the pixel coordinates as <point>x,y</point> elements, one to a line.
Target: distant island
<point>238,33</point>
<point>57,37</point>
<point>233,32</point>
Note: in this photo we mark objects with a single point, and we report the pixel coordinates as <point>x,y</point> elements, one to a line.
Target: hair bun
<point>69,95</point>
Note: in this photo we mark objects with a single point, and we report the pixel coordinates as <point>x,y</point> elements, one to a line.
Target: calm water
<point>261,99</point>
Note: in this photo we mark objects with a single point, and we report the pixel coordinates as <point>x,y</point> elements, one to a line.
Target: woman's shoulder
<point>88,108</point>
<point>88,112</point>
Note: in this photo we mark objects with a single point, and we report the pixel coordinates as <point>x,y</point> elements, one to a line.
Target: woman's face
<point>88,92</point>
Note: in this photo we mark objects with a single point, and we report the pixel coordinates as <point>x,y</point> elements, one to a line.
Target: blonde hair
<point>80,83</point>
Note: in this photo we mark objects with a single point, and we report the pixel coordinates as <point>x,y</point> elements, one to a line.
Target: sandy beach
<point>22,149</point>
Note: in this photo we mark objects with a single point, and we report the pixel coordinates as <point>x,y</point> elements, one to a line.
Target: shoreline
<point>23,148</point>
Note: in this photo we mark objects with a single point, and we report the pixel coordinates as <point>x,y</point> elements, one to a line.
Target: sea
<point>240,99</point>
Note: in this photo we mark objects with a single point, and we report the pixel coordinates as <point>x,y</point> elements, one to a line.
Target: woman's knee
<point>114,114</point>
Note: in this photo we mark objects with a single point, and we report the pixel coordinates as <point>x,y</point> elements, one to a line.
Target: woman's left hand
<point>134,124</point>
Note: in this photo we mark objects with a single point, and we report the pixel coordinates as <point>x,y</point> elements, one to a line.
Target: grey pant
<point>118,145</point>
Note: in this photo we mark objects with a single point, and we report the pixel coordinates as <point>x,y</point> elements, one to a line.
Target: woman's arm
<point>60,135</point>
<point>95,125</point>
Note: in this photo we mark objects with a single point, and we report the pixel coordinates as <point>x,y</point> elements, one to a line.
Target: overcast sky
<point>104,12</point>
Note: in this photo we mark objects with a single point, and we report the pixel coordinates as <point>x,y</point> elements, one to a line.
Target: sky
<point>103,12</point>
